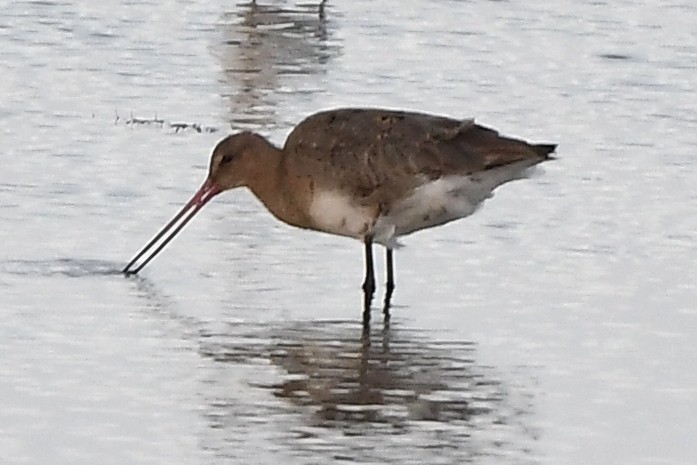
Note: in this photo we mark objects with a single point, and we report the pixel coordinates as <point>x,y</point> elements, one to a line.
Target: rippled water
<point>557,325</point>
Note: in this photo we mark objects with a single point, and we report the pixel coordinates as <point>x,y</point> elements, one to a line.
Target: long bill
<point>207,191</point>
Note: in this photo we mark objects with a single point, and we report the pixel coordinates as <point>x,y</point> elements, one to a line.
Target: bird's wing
<point>364,151</point>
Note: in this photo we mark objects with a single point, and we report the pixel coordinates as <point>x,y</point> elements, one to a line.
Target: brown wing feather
<point>366,151</point>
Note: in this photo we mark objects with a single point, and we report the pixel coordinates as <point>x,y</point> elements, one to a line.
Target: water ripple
<point>71,267</point>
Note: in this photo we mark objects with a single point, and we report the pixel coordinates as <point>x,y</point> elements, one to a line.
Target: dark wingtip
<point>544,150</point>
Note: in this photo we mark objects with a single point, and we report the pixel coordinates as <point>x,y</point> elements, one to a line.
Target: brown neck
<point>267,181</point>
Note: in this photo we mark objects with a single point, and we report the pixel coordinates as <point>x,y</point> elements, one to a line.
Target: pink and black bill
<point>207,191</point>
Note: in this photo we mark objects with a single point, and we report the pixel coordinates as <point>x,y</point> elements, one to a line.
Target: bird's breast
<point>339,213</point>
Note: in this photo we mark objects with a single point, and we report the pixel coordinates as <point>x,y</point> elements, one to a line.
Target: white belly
<point>431,204</point>
<point>441,201</point>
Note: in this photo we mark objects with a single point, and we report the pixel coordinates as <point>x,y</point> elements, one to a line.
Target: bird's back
<point>366,152</point>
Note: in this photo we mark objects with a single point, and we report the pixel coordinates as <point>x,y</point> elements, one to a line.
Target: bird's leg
<point>369,282</point>
<point>389,286</point>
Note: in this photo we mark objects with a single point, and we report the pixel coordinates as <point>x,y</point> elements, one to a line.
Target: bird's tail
<point>545,150</point>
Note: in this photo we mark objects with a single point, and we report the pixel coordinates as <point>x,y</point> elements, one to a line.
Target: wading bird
<point>371,174</point>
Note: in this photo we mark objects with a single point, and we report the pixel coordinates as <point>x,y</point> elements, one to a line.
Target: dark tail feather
<point>544,150</point>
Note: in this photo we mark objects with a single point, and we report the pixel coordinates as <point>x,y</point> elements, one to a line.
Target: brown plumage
<point>371,174</point>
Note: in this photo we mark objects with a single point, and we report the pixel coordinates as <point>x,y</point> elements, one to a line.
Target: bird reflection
<point>326,389</point>
<point>394,376</point>
<point>263,52</point>
<point>393,395</point>
<point>384,376</point>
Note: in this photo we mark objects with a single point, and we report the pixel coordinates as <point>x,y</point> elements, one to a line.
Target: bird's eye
<point>227,158</point>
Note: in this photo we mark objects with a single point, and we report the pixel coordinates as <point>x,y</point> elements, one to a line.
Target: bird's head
<point>233,159</point>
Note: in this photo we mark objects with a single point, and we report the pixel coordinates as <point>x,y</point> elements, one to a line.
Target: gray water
<point>555,326</point>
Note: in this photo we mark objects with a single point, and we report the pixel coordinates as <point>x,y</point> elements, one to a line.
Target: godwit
<point>371,174</point>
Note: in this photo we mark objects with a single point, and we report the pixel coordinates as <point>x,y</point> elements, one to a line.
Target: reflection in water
<point>352,379</point>
<point>319,390</point>
<point>371,391</point>
<point>187,327</point>
<point>264,49</point>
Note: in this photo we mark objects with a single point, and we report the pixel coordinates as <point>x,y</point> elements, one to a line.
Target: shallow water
<point>557,325</point>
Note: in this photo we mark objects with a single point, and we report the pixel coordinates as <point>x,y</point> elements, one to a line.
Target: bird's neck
<point>269,183</point>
